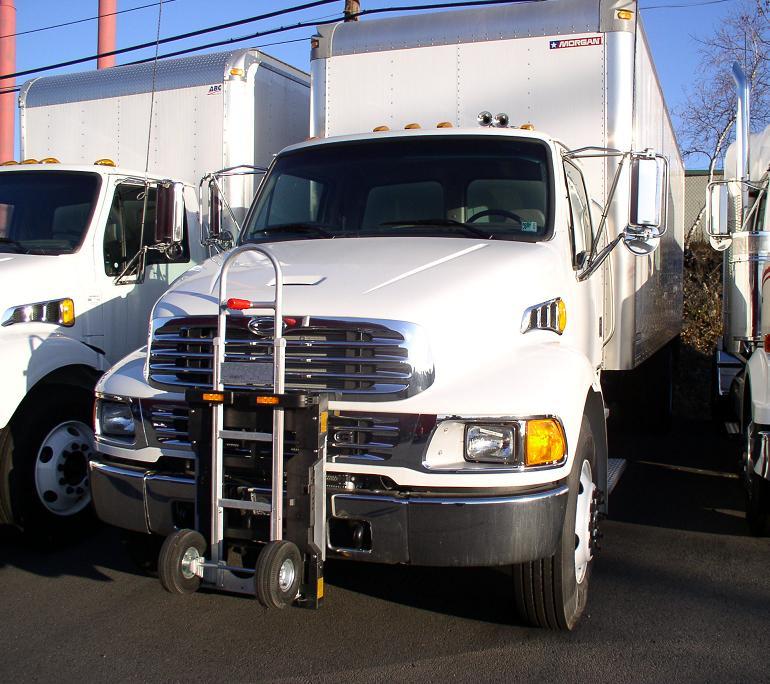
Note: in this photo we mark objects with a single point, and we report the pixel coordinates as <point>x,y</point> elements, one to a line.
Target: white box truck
<point>77,285</point>
<point>738,224</point>
<point>457,285</point>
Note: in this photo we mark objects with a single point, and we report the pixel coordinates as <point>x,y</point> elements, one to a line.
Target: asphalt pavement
<point>679,592</point>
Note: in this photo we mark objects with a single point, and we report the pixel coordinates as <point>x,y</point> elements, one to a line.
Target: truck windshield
<point>45,212</point>
<point>449,186</point>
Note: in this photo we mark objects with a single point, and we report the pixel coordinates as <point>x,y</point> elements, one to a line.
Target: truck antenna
<point>149,141</point>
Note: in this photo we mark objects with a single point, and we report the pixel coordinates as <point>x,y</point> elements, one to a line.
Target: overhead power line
<point>248,20</point>
<point>82,21</point>
<point>171,39</point>
<point>692,4</point>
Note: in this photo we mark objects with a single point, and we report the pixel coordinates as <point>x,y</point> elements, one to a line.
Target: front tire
<point>44,456</point>
<point>553,592</point>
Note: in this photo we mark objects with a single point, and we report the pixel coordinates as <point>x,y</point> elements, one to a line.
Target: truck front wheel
<point>552,592</point>
<point>44,463</point>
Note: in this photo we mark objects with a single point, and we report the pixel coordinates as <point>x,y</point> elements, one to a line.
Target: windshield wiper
<point>15,243</point>
<point>298,228</point>
<point>444,222</point>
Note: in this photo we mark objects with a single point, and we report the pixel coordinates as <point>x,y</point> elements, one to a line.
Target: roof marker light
<point>380,129</point>
<point>527,127</point>
<point>104,162</point>
<point>30,161</point>
<point>444,124</point>
<point>412,127</point>
<point>484,118</point>
<point>10,162</point>
<point>49,160</point>
<point>625,15</point>
<point>235,71</point>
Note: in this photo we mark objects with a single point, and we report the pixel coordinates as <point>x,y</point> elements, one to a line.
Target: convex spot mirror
<point>169,215</point>
<point>647,213</point>
<point>717,219</point>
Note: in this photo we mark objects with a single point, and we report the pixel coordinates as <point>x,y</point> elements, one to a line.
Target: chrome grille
<point>351,435</point>
<point>349,358</point>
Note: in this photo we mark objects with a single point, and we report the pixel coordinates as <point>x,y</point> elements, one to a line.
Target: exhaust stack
<point>742,130</point>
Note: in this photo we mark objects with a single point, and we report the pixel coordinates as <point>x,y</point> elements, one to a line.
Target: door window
<point>123,234</point>
<point>582,228</point>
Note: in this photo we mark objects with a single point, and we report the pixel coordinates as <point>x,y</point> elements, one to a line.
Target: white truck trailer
<point>738,224</point>
<point>456,285</point>
<point>80,261</point>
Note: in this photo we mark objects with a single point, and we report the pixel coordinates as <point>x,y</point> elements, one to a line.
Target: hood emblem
<point>263,326</point>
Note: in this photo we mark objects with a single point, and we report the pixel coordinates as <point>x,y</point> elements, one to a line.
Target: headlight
<point>489,444</point>
<point>115,419</point>
<point>523,443</point>
<point>58,312</point>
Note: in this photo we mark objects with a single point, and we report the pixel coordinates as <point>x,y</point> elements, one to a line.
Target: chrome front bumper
<point>449,530</point>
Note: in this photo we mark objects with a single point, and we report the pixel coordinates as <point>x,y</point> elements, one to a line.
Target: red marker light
<point>291,322</point>
<point>235,304</point>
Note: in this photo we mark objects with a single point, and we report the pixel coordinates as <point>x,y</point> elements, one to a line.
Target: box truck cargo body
<point>487,219</point>
<point>82,263</point>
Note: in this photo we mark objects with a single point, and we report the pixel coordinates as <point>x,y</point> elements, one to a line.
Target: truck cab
<point>456,281</point>
<point>73,295</point>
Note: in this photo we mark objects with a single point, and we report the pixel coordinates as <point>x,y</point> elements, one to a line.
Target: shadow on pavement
<point>100,549</point>
<point>686,480</point>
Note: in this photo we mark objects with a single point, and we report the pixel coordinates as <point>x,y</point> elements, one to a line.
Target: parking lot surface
<point>678,592</point>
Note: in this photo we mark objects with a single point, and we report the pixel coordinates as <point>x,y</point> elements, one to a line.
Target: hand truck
<point>234,496</point>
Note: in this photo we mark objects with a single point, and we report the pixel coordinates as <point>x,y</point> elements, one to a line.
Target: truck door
<point>127,301</point>
<point>590,291</point>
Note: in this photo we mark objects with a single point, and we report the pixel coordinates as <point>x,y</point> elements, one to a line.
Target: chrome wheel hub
<point>61,468</point>
<point>286,575</point>
<point>585,522</point>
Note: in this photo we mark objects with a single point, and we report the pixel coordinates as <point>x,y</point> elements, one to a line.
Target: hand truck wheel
<point>176,564</point>
<point>278,574</point>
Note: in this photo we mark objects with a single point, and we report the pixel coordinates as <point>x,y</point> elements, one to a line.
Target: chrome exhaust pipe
<point>742,122</point>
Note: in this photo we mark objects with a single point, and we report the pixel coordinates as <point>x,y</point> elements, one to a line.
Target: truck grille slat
<point>348,358</point>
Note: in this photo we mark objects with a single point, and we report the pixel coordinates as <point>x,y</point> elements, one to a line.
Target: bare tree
<point>707,117</point>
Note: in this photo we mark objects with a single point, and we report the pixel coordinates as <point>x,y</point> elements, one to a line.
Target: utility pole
<point>352,8</point>
<point>7,66</point>
<point>107,30</point>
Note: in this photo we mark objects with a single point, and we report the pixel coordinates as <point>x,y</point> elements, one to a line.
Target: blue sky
<point>672,31</point>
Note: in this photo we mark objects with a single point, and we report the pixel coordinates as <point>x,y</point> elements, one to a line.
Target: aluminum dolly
<point>233,548</point>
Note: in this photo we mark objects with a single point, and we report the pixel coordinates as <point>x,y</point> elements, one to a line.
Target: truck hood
<point>422,280</point>
<point>31,278</point>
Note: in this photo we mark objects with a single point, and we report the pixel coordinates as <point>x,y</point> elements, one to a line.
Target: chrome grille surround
<point>352,359</point>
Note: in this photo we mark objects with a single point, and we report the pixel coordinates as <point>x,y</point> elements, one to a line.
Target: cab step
<point>615,468</point>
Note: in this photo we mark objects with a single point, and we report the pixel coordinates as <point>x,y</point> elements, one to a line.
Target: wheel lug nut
<point>62,481</point>
<point>70,490</point>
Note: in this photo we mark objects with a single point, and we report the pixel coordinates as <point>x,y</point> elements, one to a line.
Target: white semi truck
<point>81,263</point>
<point>487,222</point>
<point>738,223</point>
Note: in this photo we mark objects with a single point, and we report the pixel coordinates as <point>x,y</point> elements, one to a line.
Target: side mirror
<point>647,193</point>
<point>717,220</point>
<point>169,213</point>
<point>648,203</point>
<point>215,210</point>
